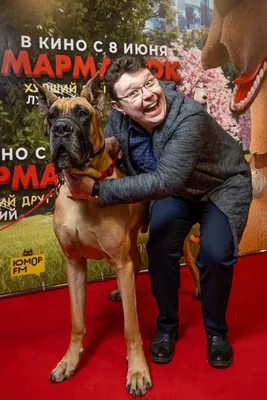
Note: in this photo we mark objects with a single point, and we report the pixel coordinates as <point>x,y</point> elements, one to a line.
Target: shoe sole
<point>221,364</point>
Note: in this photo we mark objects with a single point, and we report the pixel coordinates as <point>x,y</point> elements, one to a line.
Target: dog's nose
<point>62,128</point>
<point>205,97</point>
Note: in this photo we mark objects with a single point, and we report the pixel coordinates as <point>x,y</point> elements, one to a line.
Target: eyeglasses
<point>136,94</point>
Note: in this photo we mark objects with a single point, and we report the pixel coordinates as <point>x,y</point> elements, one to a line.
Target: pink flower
<point>216,88</point>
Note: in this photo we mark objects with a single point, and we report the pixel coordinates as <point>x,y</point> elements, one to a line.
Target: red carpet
<point>35,331</point>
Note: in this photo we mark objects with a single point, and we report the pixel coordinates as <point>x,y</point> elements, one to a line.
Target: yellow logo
<point>27,265</point>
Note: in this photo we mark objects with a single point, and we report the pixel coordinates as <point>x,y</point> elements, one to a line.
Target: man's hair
<point>126,64</point>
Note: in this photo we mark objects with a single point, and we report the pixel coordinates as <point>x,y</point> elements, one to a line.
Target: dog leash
<point>52,191</point>
<point>105,174</point>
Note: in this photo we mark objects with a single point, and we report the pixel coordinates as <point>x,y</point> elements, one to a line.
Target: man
<point>192,171</point>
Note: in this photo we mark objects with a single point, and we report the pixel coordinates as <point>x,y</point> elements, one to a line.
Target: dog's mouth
<point>61,152</point>
<point>247,86</point>
<point>61,158</point>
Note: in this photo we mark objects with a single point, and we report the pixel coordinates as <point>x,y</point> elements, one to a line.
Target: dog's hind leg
<point>77,279</point>
<point>138,377</point>
<point>190,263</point>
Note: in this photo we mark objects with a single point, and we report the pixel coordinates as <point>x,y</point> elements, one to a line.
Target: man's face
<point>150,109</point>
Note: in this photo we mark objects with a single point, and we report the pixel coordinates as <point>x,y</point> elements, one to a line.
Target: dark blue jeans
<point>171,221</point>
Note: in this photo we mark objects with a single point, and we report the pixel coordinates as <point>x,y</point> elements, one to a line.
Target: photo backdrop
<point>62,44</point>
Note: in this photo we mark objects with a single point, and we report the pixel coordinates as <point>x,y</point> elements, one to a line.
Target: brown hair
<point>118,67</point>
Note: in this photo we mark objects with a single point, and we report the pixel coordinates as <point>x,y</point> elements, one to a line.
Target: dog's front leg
<point>138,377</point>
<point>77,279</point>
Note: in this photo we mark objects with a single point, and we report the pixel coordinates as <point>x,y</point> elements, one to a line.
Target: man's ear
<point>116,106</point>
<point>46,99</point>
<point>93,93</point>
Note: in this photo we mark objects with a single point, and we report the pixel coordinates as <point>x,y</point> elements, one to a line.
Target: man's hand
<point>113,147</point>
<point>81,187</point>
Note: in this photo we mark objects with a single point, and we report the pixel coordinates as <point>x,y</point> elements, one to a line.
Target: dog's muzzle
<point>62,128</point>
<point>68,143</point>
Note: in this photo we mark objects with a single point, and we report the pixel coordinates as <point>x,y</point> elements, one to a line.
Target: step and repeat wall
<point>62,44</point>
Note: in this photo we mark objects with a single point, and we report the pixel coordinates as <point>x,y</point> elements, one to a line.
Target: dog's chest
<point>82,236</point>
<point>89,231</point>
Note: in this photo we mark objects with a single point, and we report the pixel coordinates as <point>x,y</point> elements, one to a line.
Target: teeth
<point>151,105</point>
<point>256,83</point>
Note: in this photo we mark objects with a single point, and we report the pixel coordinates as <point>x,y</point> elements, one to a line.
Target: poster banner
<point>62,44</point>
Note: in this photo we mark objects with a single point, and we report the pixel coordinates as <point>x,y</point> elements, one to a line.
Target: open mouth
<point>61,158</point>
<point>247,86</point>
<point>151,108</point>
<point>61,152</point>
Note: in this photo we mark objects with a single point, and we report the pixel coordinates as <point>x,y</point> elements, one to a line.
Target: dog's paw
<point>115,295</point>
<point>62,372</point>
<point>65,369</point>
<point>138,382</point>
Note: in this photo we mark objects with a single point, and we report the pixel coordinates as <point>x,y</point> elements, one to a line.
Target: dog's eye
<point>51,116</point>
<point>82,114</point>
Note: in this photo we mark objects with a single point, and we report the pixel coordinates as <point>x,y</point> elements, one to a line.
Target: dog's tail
<point>145,227</point>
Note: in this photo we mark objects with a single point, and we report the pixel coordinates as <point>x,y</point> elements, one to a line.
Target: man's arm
<point>176,164</point>
<point>108,131</point>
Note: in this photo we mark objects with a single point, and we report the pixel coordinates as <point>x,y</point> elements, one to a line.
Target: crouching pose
<point>190,170</point>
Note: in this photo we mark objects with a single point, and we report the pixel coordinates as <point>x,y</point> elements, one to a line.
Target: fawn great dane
<point>85,230</point>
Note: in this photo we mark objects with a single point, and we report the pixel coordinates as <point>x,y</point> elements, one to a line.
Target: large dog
<point>87,231</point>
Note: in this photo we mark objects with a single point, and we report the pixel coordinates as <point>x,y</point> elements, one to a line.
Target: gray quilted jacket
<point>197,159</point>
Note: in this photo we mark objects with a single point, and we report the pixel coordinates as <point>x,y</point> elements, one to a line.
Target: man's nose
<point>146,93</point>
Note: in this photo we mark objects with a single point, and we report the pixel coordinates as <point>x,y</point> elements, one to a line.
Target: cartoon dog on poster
<point>238,34</point>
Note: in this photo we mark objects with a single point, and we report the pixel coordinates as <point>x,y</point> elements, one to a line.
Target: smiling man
<point>152,111</point>
<point>190,170</point>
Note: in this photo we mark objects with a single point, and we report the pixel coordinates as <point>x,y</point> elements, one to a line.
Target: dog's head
<point>73,124</point>
<point>201,96</point>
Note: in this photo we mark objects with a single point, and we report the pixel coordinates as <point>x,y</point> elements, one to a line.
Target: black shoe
<point>162,347</point>
<point>220,352</point>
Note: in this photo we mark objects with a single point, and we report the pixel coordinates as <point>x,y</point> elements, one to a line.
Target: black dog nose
<point>205,97</point>
<point>62,128</point>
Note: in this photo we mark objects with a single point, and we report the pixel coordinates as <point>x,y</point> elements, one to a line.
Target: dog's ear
<point>93,93</point>
<point>46,99</point>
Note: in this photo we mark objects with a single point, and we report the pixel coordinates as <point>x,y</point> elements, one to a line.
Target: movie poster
<point>62,44</point>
